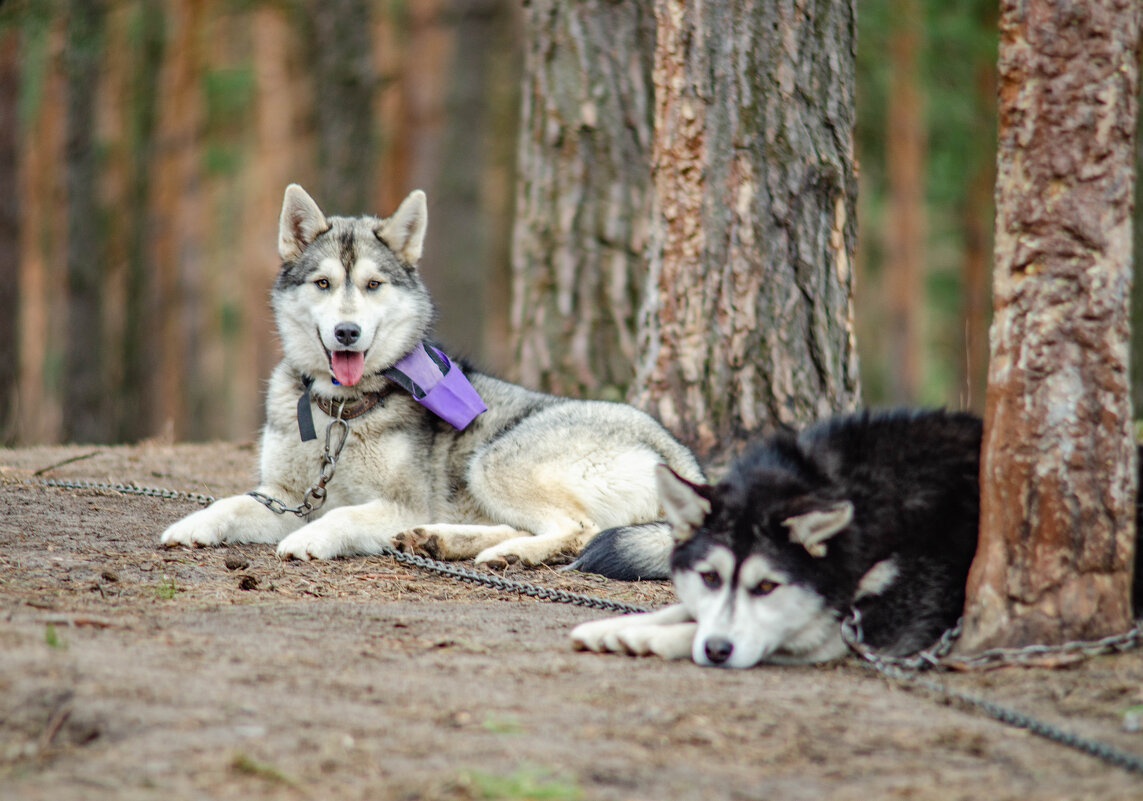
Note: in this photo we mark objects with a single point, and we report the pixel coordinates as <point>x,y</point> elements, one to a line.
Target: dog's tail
<point>628,553</point>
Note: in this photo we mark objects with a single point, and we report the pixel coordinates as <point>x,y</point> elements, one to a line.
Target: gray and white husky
<point>874,512</point>
<point>532,478</point>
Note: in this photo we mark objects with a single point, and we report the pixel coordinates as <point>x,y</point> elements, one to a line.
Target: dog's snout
<point>718,649</point>
<point>347,333</point>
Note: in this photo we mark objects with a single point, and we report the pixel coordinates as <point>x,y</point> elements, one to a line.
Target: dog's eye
<point>322,283</point>
<point>374,284</point>
<point>764,588</point>
<point>711,579</point>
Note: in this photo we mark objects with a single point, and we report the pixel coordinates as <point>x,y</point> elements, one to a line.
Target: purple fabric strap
<point>437,384</point>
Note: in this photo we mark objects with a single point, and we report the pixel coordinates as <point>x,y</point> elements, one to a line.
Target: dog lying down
<point>873,511</point>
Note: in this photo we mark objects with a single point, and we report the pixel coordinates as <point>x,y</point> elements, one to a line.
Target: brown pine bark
<point>1057,474</point>
<point>748,321</point>
<point>583,195</point>
<point>905,216</point>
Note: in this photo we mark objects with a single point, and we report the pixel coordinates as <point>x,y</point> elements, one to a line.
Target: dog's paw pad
<point>418,541</point>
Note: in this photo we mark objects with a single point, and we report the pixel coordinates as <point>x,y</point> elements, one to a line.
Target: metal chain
<point>508,585</point>
<point>937,655</point>
<point>317,492</point>
<point>908,670</point>
<point>902,669</point>
<point>130,489</point>
<point>422,562</point>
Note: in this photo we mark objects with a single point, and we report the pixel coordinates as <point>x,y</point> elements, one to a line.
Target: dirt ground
<point>131,672</point>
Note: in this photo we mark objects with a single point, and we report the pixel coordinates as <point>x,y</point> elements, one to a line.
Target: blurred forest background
<point>145,146</point>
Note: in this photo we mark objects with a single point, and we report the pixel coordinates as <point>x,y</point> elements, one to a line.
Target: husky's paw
<point>527,550</point>
<point>236,519</point>
<point>312,542</point>
<point>667,632</point>
<point>194,533</point>
<point>419,541</point>
<point>670,641</point>
<point>599,635</point>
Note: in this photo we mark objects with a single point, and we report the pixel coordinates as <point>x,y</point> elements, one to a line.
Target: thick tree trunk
<point>748,321</point>
<point>1058,481</point>
<point>9,231</point>
<point>583,195</point>
<point>85,389</point>
<point>904,224</point>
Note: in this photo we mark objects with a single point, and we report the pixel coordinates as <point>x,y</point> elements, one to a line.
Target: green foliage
<point>166,589</point>
<point>228,96</point>
<point>958,61</point>
<point>526,783</point>
<point>248,766</point>
<point>52,637</point>
<point>500,724</point>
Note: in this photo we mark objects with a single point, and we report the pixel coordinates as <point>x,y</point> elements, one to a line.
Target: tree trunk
<point>748,319</point>
<point>583,195</point>
<point>904,221</point>
<point>1058,465</point>
<point>464,271</point>
<point>139,350</point>
<point>85,390</point>
<point>9,231</point>
<point>345,80</point>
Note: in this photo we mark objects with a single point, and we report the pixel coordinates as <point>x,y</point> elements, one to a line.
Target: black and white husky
<point>877,512</point>
<point>436,456</point>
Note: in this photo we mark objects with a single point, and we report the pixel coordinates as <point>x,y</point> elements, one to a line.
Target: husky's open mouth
<point>347,366</point>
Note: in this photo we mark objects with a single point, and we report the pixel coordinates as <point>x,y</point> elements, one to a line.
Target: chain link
<point>937,655</point>
<point>314,497</point>
<point>130,489</point>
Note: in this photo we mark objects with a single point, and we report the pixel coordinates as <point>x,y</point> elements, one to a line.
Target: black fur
<point>912,478</point>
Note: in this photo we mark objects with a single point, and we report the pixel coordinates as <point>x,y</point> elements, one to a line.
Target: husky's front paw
<point>667,632</point>
<point>231,520</point>
<point>312,542</point>
<point>200,530</point>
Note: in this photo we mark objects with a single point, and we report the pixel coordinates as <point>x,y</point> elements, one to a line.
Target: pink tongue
<point>348,366</point>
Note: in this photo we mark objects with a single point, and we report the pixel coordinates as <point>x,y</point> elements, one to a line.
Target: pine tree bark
<point>748,321</point>
<point>1058,464</point>
<point>583,195</point>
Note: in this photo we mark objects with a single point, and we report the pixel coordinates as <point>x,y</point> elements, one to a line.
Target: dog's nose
<point>347,333</point>
<point>718,650</point>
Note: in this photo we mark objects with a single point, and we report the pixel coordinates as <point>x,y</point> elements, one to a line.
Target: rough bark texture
<point>583,195</point>
<point>748,320</point>
<point>1058,494</point>
<point>85,388</point>
<point>905,218</point>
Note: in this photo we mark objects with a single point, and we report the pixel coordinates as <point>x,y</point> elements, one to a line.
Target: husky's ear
<point>300,224</point>
<point>684,503</point>
<point>404,232</point>
<point>812,529</point>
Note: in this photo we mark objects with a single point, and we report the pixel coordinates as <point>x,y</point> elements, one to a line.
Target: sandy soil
<point>131,672</point>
